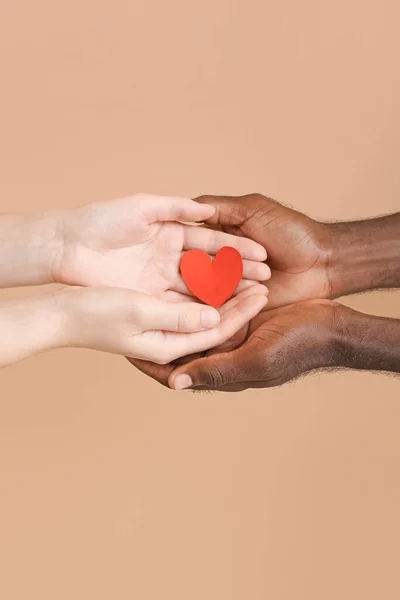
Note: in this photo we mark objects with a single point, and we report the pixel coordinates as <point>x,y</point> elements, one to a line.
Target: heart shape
<point>212,281</point>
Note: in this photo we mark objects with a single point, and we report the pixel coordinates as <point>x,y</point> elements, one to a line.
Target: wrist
<point>366,342</point>
<point>30,326</point>
<point>363,255</point>
<point>30,246</point>
<point>72,315</point>
<point>85,316</point>
<point>51,226</point>
<point>325,341</point>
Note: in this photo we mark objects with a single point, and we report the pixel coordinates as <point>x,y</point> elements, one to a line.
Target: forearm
<point>29,326</point>
<point>29,248</point>
<point>364,255</point>
<point>365,342</point>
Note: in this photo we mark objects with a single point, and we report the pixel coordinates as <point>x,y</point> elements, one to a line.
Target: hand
<point>308,259</point>
<point>137,325</point>
<point>298,247</point>
<point>281,345</point>
<point>297,252</point>
<point>277,346</point>
<point>136,243</point>
<point>290,341</point>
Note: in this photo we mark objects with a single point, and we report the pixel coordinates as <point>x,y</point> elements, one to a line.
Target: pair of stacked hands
<point>120,261</point>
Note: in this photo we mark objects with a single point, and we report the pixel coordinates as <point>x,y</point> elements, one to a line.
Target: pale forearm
<point>29,247</point>
<point>30,326</point>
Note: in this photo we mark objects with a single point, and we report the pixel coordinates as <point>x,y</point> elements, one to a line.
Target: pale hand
<point>136,243</point>
<point>137,325</point>
<point>122,322</point>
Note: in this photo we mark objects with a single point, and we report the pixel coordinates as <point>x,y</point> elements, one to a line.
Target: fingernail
<point>209,317</point>
<point>181,382</point>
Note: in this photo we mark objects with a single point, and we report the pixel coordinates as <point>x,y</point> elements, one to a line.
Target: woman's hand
<point>136,243</point>
<point>123,322</point>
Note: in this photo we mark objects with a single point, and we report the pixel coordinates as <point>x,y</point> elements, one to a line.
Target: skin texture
<point>134,243</point>
<point>297,246</point>
<point>137,243</point>
<point>122,322</point>
<point>137,325</point>
<point>296,335</point>
<point>125,254</point>
<point>365,255</point>
<point>286,342</point>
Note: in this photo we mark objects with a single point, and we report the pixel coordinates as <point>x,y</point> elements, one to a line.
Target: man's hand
<point>310,259</point>
<point>286,342</point>
<point>281,345</point>
<point>297,253</point>
<point>298,247</point>
<point>277,346</point>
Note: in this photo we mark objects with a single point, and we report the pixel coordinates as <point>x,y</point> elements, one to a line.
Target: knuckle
<point>189,319</point>
<point>214,376</point>
<point>257,197</point>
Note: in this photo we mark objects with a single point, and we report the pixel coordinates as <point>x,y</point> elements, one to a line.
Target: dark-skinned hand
<point>297,254</point>
<point>298,247</point>
<point>300,330</point>
<point>279,345</point>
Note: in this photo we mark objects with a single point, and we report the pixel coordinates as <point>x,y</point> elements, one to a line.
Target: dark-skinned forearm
<point>364,255</point>
<point>366,342</point>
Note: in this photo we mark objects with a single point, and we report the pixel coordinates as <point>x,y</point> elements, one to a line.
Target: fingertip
<point>210,317</point>
<point>204,211</point>
<point>254,288</point>
<point>251,250</point>
<point>180,381</point>
<point>261,271</point>
<point>267,273</point>
<point>261,289</point>
<point>246,284</point>
<point>255,303</point>
<point>211,209</point>
<point>260,252</point>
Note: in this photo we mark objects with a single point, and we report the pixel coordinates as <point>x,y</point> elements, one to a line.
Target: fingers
<point>253,273</point>
<point>171,296</point>
<point>233,342</point>
<point>240,313</point>
<point>173,208</point>
<point>211,241</point>
<point>251,290</point>
<point>231,211</point>
<point>182,317</point>
<point>218,370</point>
<point>158,372</point>
<point>256,271</point>
<point>239,337</point>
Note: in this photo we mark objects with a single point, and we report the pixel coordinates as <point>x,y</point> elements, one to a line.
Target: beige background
<point>110,486</point>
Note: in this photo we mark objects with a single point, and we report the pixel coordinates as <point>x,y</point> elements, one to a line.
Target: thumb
<point>182,317</point>
<point>174,208</point>
<point>230,211</point>
<point>218,370</point>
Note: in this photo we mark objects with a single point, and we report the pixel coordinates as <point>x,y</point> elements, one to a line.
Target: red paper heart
<point>212,281</point>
